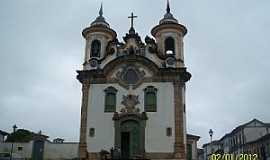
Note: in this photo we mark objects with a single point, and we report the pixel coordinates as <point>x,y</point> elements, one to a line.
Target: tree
<point>21,135</point>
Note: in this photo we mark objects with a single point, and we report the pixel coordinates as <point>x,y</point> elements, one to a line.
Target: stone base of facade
<point>158,155</point>
<point>151,156</point>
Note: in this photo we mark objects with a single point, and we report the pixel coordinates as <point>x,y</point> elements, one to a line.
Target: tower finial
<point>168,7</point>
<point>101,10</point>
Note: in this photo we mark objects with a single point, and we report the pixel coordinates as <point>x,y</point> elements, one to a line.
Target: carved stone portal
<point>130,128</point>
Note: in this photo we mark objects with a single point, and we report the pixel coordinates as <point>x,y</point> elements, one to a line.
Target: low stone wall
<point>52,151</point>
<point>55,151</point>
<point>20,150</point>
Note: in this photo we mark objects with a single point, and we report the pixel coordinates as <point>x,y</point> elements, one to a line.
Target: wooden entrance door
<point>130,139</point>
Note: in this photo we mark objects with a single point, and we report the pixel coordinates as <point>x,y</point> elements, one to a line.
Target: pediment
<point>255,123</point>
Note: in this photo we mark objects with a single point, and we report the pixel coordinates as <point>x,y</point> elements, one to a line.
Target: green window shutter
<point>189,152</point>
<point>110,102</point>
<point>150,99</point>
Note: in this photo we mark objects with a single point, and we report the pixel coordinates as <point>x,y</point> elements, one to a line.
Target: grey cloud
<point>41,47</point>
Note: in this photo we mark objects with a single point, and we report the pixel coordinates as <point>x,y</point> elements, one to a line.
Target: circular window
<point>131,76</point>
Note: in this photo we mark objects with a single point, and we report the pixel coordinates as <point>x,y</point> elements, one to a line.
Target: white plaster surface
<point>26,151</point>
<point>155,132</point>
<point>253,133</point>
<point>1,138</point>
<point>60,150</point>
<point>52,151</point>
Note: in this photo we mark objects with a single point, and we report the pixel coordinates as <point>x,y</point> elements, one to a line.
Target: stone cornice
<point>176,26</point>
<point>125,116</point>
<point>162,75</point>
<point>98,28</point>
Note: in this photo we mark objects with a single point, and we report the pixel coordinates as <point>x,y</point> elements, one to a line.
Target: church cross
<point>132,19</point>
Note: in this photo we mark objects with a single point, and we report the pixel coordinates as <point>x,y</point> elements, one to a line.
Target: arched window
<point>150,99</point>
<point>110,99</point>
<point>169,46</point>
<point>95,48</point>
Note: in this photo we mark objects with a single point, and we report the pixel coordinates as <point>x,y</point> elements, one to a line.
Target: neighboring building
<point>36,146</point>
<point>240,139</point>
<point>3,136</point>
<point>58,140</point>
<point>200,154</point>
<point>210,148</point>
<point>41,150</point>
<point>192,153</point>
<point>133,92</point>
<point>260,146</point>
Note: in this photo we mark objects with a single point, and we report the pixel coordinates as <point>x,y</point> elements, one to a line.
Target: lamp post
<point>14,130</point>
<point>211,136</point>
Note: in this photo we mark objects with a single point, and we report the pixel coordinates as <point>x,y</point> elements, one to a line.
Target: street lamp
<point>14,130</point>
<point>211,135</point>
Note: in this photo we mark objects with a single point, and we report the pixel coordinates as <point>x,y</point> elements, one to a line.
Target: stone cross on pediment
<point>132,19</point>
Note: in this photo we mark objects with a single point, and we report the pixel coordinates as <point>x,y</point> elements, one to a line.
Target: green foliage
<point>21,135</point>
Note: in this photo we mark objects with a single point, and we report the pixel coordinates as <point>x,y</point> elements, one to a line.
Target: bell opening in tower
<point>169,46</point>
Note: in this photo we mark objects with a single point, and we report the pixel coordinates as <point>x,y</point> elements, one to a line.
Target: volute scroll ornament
<point>152,46</point>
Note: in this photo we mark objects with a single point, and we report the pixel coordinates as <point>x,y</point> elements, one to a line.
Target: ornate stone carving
<point>130,101</point>
<point>170,61</point>
<point>130,75</point>
<point>93,62</point>
<point>112,46</point>
<point>152,46</point>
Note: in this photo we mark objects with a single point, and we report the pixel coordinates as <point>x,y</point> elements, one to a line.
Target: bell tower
<point>97,37</point>
<point>169,35</point>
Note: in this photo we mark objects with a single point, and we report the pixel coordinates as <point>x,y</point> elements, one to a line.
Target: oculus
<point>170,61</point>
<point>93,62</point>
<point>130,75</point>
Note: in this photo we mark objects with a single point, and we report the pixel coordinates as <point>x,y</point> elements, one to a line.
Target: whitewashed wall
<point>210,148</point>
<point>1,138</point>
<point>226,144</point>
<point>26,151</point>
<point>155,138</point>
<point>194,150</point>
<point>253,133</point>
<point>52,151</point>
<point>193,143</point>
<point>60,150</point>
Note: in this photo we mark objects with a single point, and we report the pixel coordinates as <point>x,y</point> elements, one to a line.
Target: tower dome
<point>168,16</point>
<point>169,34</point>
<point>100,20</point>
<point>99,24</point>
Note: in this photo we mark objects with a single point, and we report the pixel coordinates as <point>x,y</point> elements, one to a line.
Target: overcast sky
<point>226,51</point>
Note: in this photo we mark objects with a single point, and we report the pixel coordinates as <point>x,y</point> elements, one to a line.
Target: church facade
<point>133,92</point>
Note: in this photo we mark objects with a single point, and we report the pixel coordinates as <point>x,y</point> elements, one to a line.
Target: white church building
<point>133,91</point>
